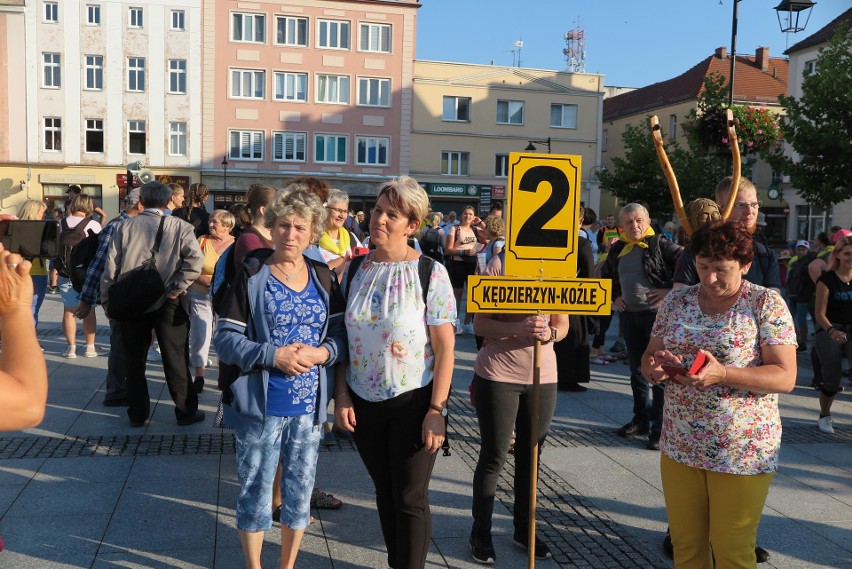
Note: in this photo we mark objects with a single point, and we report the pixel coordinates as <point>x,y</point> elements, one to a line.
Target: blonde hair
<point>843,242</point>
<point>723,188</point>
<point>406,195</point>
<point>30,209</point>
<point>495,225</point>
<point>226,217</point>
<point>81,204</point>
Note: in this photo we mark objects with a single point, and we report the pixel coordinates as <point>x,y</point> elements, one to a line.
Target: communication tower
<point>575,50</point>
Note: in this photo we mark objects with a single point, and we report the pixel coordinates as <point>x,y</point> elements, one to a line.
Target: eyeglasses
<point>748,205</point>
<point>337,210</point>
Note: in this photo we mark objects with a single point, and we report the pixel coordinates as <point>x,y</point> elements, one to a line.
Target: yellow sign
<point>542,220</point>
<point>528,295</point>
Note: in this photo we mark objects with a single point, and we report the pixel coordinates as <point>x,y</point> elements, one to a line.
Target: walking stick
<point>534,453</point>
<point>737,171</point>
<point>669,174</point>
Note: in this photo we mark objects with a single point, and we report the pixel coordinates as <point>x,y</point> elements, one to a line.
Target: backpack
<point>660,263</point>
<point>800,287</point>
<point>82,255</point>
<point>430,244</point>
<point>223,275</point>
<point>68,239</point>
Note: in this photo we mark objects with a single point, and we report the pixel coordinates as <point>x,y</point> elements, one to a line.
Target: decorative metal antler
<point>669,174</point>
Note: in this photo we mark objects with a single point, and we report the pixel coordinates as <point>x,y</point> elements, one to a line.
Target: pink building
<point>306,87</point>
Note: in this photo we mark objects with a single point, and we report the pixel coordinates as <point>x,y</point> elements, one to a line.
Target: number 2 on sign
<point>532,233</point>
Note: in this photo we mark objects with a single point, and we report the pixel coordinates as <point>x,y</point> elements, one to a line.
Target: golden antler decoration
<point>733,142</point>
<point>669,174</point>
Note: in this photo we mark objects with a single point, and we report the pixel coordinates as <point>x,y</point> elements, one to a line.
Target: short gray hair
<point>226,217</point>
<point>155,194</point>
<point>301,203</point>
<point>632,208</point>
<point>336,196</point>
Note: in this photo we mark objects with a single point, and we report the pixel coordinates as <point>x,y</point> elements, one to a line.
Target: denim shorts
<point>295,442</point>
<point>70,297</point>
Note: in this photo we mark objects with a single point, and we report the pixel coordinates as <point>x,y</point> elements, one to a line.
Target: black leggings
<point>389,440</point>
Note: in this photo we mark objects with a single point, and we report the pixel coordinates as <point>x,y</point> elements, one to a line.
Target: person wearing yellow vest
<point>34,210</point>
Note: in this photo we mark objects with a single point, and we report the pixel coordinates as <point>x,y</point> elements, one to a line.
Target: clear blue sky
<point>632,42</point>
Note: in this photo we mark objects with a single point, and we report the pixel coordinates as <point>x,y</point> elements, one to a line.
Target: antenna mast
<point>575,50</point>
<point>516,49</point>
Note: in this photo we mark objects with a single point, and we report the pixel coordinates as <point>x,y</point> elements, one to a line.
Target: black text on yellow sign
<point>529,295</point>
<point>542,220</point>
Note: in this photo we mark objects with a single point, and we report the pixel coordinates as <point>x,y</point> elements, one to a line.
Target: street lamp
<point>531,146</point>
<point>793,11</point>
<point>225,172</point>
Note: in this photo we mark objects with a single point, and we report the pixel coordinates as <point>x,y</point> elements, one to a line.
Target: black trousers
<point>389,440</point>
<point>171,323</point>
<point>501,407</point>
<point>116,379</point>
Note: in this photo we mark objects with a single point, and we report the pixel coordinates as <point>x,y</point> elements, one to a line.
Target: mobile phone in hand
<point>359,251</point>
<point>676,370</point>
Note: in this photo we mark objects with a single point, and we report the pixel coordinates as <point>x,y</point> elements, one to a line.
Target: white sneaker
<point>459,328</point>
<point>825,425</point>
<point>70,352</point>
<point>91,352</point>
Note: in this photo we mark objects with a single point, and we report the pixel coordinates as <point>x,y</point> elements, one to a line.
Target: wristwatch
<point>439,409</point>
<point>553,332</point>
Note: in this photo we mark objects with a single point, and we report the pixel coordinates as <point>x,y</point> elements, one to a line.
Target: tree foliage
<point>818,126</point>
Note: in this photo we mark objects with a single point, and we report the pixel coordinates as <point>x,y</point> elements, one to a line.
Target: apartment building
<point>467,118</point>
<point>306,88</point>
<point>93,86</point>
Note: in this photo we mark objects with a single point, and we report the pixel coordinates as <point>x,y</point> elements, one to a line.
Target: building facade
<point>467,118</point>
<point>306,88</point>
<point>101,84</point>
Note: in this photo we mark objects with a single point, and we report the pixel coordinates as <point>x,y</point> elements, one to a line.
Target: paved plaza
<point>84,489</point>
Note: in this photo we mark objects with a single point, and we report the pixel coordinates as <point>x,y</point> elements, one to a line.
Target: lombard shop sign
<point>456,190</point>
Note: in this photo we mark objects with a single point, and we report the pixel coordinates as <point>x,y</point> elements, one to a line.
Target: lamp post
<point>593,179</point>
<point>225,173</point>
<point>792,12</point>
<point>531,146</point>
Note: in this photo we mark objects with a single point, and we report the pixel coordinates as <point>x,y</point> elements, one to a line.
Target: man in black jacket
<point>640,265</point>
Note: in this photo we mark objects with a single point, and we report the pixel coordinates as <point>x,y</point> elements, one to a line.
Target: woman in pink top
<point>502,384</point>
<point>255,235</point>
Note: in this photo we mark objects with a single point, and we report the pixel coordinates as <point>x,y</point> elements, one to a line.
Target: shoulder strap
<point>353,268</point>
<point>424,270</point>
<point>159,238</point>
<point>323,273</point>
<point>203,242</point>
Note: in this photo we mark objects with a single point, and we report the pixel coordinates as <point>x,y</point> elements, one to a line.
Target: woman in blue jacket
<point>282,326</point>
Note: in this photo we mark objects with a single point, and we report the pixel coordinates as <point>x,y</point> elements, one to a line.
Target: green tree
<point>818,126</point>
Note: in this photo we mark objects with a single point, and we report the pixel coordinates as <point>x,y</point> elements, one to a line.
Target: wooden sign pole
<point>536,392</point>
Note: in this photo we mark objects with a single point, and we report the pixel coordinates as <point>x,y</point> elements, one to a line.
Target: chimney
<point>761,57</point>
<point>721,52</point>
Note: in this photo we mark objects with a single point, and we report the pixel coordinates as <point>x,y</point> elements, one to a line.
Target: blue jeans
<point>292,441</point>
<point>39,290</point>
<point>647,399</point>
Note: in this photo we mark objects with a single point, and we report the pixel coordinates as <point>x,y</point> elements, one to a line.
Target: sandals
<point>324,501</point>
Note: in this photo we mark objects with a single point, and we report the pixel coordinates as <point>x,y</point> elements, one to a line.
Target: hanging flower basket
<point>757,130</point>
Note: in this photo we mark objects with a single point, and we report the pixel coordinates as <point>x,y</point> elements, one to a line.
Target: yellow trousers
<point>713,515</point>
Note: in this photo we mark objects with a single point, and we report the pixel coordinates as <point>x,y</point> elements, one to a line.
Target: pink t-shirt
<point>510,360</point>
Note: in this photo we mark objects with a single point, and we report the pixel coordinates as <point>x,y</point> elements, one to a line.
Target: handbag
<point>135,292</point>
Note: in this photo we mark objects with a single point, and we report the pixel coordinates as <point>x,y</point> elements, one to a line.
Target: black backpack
<point>69,239</point>
<point>800,287</point>
<point>430,244</point>
<point>223,276</point>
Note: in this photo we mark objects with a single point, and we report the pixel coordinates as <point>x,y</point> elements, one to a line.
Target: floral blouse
<point>722,428</point>
<point>389,348</point>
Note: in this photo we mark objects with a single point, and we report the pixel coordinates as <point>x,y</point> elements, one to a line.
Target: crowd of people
<point>326,314</point>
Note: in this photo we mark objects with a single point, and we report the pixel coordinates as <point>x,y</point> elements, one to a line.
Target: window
<point>371,150</point>
<point>135,20</point>
<point>136,74</point>
<point>810,67</point>
<point>178,20</point>
<point>248,27</point>
<point>501,165</point>
<point>291,31</point>
<point>289,146</point>
<point>375,37</point>
<point>291,86</point>
<point>672,127</point>
<point>510,112</point>
<point>246,145</point>
<point>563,116</point>
<point>333,89</point>
<point>247,84</point>
<point>330,148</point>
<point>605,141</point>
<point>333,34</point>
<point>95,72</point>
<point>52,70</point>
<point>51,12</point>
<point>177,76</point>
<point>373,92</point>
<point>53,134</point>
<point>177,139</point>
<point>93,14</point>
<point>454,163</point>
<point>456,109</point>
<point>136,137</point>
<point>94,135</point>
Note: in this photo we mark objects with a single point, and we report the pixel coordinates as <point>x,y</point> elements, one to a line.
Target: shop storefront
<point>446,197</point>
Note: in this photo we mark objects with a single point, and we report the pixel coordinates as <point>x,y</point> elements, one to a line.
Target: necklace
<point>287,277</point>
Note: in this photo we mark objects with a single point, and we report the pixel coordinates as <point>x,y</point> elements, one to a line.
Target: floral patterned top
<point>722,428</point>
<point>389,348</point>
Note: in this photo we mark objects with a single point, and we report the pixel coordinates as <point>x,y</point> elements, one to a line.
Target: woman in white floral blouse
<point>721,427</point>
<point>394,395</point>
